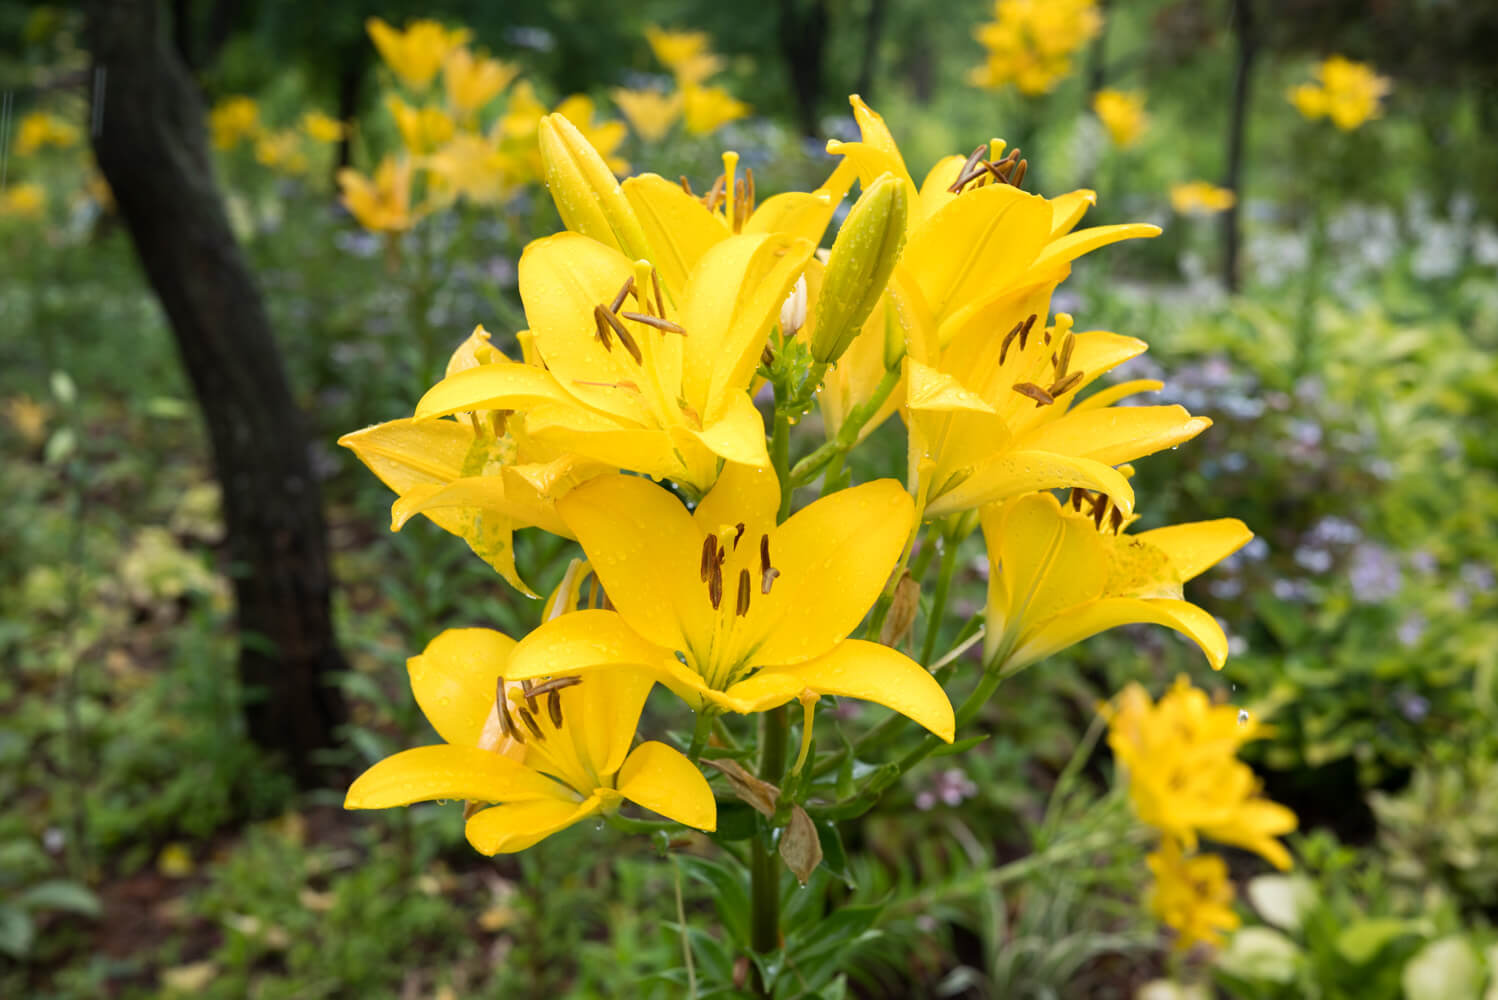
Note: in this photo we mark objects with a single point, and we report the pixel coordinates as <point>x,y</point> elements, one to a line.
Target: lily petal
<point>454,680</point>
<point>448,772</point>
<point>1117,434</point>
<point>1074,245</point>
<point>743,493</point>
<point>965,249</point>
<point>1099,616</point>
<point>610,702</point>
<point>1123,390</point>
<point>1016,472</point>
<point>1196,547</point>
<point>1049,564</point>
<point>930,389</point>
<point>802,214</point>
<point>679,227</point>
<point>513,827</point>
<point>406,452</point>
<point>1067,210</point>
<point>563,279</point>
<point>736,432</point>
<point>934,194</point>
<point>834,557</point>
<point>857,668</point>
<point>491,493</point>
<point>643,546</point>
<point>724,340</point>
<point>662,780</point>
<point>504,385</point>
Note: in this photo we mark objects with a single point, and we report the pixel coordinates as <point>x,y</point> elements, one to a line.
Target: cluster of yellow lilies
<point>628,423</point>
<point>1185,780</point>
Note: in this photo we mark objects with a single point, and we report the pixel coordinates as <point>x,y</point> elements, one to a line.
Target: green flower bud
<point>586,193</point>
<point>863,257</point>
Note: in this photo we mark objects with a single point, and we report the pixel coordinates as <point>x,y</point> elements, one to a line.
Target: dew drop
<point>1242,716</point>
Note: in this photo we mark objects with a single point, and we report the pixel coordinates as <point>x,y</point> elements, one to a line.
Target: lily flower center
<point>731,564</point>
<point>530,714</point>
<point>612,328</point>
<point>733,195</point>
<point>978,170</point>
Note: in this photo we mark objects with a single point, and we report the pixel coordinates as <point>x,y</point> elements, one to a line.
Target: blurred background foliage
<point>150,848</point>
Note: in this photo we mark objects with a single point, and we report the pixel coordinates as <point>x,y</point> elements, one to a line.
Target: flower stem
<point>764,868</point>
<point>847,435</point>
<point>939,599</point>
<point>780,457</point>
<point>705,717</point>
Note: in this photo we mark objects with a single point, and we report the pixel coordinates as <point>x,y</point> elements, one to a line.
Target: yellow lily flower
<point>422,129</point>
<point>1122,114</point>
<point>629,377</point>
<point>1346,92</point>
<point>381,204</point>
<point>473,81</point>
<point>27,200</point>
<point>322,127</point>
<point>281,151</point>
<point>649,112</point>
<point>549,754</point>
<point>687,54</point>
<point>233,120</point>
<point>603,136</point>
<point>974,243</point>
<point>730,610</point>
<point>1185,779</point>
<point>1059,574</point>
<point>1030,42</point>
<point>708,109</point>
<point>1200,198</point>
<point>470,166</point>
<point>40,129</point>
<point>478,476</point>
<point>417,53</point>
<point>1192,895</point>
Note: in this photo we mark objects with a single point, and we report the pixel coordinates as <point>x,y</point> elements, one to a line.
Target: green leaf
<point>729,891</point>
<point>1447,969</point>
<point>1362,941</point>
<point>948,749</point>
<point>60,895</point>
<point>17,932</point>
<point>834,855</point>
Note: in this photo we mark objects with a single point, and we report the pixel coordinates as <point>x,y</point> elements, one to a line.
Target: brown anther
<point>530,696</point>
<point>554,708</point>
<point>714,197</point>
<point>715,586</point>
<point>1024,331</point>
<point>1062,386</point>
<point>502,706</point>
<point>1116,519</point>
<point>1077,496</point>
<point>1018,177</point>
<point>623,334</point>
<point>530,723</point>
<point>767,356</point>
<point>741,606</point>
<point>603,329</point>
<point>660,324</point>
<point>655,282</point>
<point>748,192</point>
<point>1099,510</point>
<point>1047,338</point>
<point>709,556</point>
<point>767,573</point>
<point>738,533</point>
<point>555,684</point>
<point>629,286</point>
<point>1008,339</point>
<point>966,173</point>
<point>1065,362</point>
<point>1035,392</point>
<point>738,204</point>
<point>686,186</point>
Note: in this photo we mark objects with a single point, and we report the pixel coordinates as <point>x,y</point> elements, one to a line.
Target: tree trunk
<point>1243,29</point>
<point>153,152</point>
<point>803,38</point>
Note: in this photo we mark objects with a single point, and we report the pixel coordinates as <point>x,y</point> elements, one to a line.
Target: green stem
<point>780,457</point>
<point>764,869</point>
<point>700,731</point>
<point>939,600</point>
<point>807,469</point>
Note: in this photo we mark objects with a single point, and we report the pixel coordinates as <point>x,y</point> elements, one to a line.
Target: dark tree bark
<point>803,43</point>
<point>1243,31</point>
<point>873,30</point>
<point>351,67</point>
<point>152,149</point>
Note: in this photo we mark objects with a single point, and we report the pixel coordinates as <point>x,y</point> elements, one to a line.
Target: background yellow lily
<point>758,612</point>
<point>417,53</point>
<point>1185,778</point>
<point>1058,575</point>
<point>550,756</point>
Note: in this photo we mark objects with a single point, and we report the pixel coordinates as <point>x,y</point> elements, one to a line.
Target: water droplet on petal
<point>1242,716</point>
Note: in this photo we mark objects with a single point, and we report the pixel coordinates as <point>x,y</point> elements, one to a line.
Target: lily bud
<point>902,611</point>
<point>586,193</point>
<point>863,257</point>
